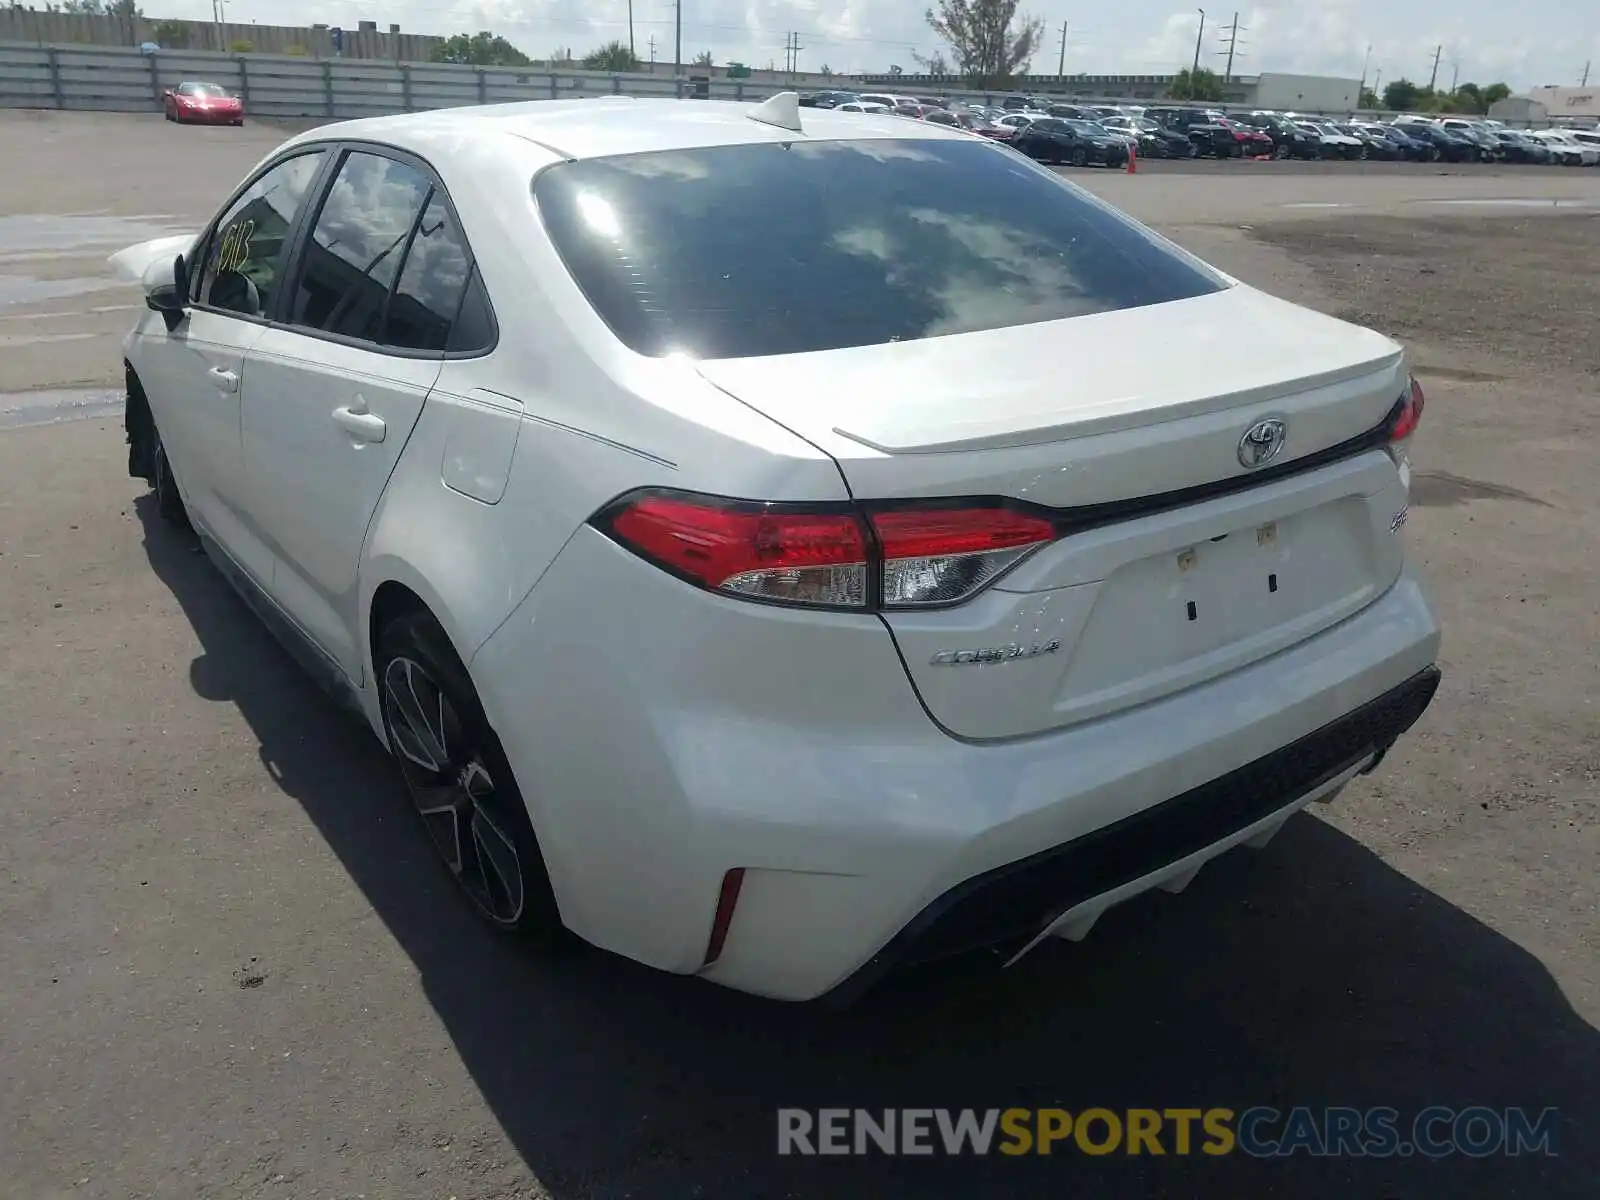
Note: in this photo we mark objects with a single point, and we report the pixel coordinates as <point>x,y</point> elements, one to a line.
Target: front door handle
<point>225,380</point>
<point>360,422</point>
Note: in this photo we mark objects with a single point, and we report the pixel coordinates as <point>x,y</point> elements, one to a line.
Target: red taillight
<point>827,556</point>
<point>752,550</point>
<point>1410,413</point>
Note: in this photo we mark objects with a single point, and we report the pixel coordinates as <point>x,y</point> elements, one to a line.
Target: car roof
<point>602,126</point>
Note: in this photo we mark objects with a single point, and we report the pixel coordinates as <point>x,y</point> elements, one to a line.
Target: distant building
<point>1559,102</point>
<point>1519,110</point>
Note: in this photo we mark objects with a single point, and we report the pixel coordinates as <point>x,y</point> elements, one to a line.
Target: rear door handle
<point>226,380</point>
<point>359,422</point>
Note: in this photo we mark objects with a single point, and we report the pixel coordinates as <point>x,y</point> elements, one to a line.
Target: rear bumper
<point>1012,904</point>
<point>663,737</point>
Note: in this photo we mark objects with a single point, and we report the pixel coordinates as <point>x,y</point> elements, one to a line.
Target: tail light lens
<point>1404,424</point>
<point>939,556</point>
<point>1410,413</point>
<point>827,556</point>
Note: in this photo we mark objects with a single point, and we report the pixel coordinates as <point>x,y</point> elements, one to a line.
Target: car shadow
<point>1310,974</point>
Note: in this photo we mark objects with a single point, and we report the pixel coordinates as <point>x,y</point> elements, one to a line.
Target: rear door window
<point>769,248</point>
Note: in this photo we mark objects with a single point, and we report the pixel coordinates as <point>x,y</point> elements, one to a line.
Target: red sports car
<point>203,104</point>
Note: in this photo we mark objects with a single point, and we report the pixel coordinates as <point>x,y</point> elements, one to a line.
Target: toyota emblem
<point>1262,442</point>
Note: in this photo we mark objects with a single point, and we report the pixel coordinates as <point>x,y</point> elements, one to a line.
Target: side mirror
<point>166,290</point>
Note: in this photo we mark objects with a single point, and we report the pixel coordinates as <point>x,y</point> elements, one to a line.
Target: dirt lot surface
<point>229,969</point>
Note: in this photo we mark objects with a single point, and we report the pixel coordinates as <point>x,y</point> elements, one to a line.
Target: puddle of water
<point>1512,202</point>
<point>34,233</point>
<point>1439,489</point>
<point>19,409</point>
<point>25,289</point>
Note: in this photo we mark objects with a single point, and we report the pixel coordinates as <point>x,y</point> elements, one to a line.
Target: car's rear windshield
<point>760,249</point>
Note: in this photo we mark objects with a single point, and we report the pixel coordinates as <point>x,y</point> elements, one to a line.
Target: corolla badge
<point>995,654</point>
<point>1262,442</point>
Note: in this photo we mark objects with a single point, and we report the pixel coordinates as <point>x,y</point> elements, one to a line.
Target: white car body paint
<point>662,734</point>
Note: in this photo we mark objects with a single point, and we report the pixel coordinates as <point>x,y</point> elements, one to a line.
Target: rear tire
<point>460,781</point>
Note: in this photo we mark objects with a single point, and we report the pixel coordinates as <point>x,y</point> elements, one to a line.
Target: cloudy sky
<point>1525,44</point>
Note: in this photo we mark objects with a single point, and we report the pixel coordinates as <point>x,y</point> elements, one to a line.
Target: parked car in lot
<point>1566,149</point>
<point>828,99</point>
<point>1154,139</point>
<point>1081,143</point>
<point>1208,131</point>
<point>1288,139</point>
<point>1252,142</point>
<point>1410,149</point>
<point>1447,146</point>
<point>1376,146</point>
<point>1333,143</point>
<point>202,104</point>
<point>776,615</point>
<point>1517,147</point>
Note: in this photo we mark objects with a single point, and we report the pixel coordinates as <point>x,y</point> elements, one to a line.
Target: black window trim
<point>202,244</point>
<point>342,149</point>
<point>334,153</point>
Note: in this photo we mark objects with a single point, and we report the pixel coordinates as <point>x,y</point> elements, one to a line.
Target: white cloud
<point>1530,43</point>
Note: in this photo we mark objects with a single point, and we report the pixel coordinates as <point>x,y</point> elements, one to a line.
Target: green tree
<point>1495,93</point>
<point>613,56</point>
<point>1369,99</point>
<point>934,64</point>
<point>174,35</point>
<point>1401,95</point>
<point>989,42</point>
<point>703,59</point>
<point>825,70</point>
<point>1203,85</point>
<point>1469,98</point>
<point>480,50</point>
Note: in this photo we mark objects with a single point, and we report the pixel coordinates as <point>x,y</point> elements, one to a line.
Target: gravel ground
<point>228,969</point>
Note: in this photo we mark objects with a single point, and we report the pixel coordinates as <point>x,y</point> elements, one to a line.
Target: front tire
<point>169,502</point>
<point>460,782</point>
<point>1080,157</point>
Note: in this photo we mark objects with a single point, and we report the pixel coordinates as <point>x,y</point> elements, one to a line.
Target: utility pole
<point>1434,77</point>
<point>677,43</point>
<point>1233,36</point>
<point>1061,67</point>
<point>631,54</point>
<point>1362,87</point>
<point>1377,86</point>
<point>1585,81</point>
<point>652,54</point>
<point>1195,70</point>
<point>1455,74</point>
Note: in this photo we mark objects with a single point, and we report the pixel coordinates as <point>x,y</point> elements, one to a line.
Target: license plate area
<point>1174,617</point>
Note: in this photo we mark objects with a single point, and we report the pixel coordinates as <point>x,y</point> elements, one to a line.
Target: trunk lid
<point>1185,567</point>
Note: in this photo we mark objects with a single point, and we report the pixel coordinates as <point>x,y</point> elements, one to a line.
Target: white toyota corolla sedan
<point>780,545</point>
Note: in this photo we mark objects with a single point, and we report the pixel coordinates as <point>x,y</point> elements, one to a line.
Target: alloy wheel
<point>453,790</point>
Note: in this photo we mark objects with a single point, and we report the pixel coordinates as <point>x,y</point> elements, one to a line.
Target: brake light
<point>1410,413</point>
<point>827,556</point>
<point>752,550</point>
